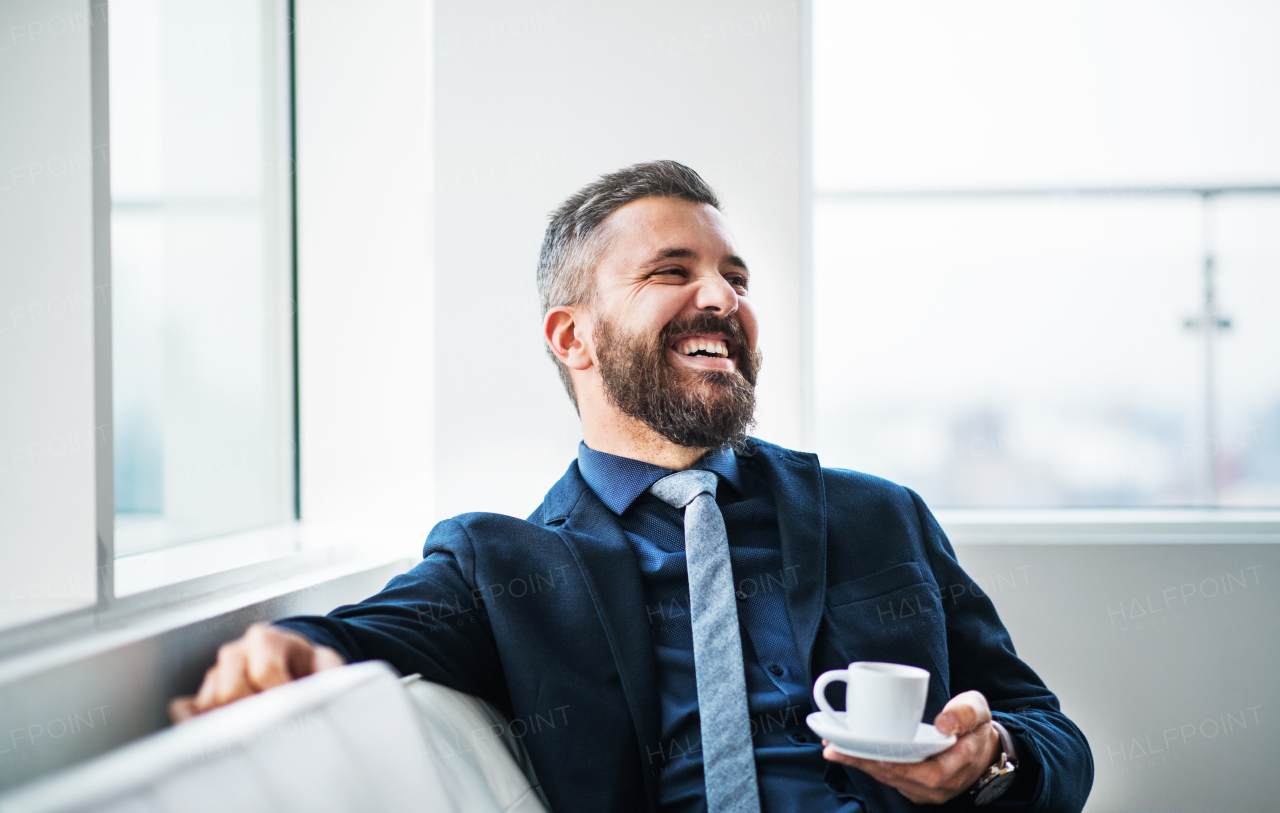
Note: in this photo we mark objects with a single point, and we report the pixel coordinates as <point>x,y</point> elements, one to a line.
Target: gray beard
<point>702,410</point>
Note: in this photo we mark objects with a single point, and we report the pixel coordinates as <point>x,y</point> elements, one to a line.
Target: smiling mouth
<point>705,346</point>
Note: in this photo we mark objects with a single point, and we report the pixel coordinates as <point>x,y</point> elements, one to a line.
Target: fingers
<point>948,774</point>
<point>182,709</point>
<point>204,697</point>
<point>265,657</point>
<point>269,655</point>
<point>963,713</point>
<point>921,782</point>
<point>926,773</point>
<point>230,675</point>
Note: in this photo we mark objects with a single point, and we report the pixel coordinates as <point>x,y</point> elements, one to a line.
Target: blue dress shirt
<point>789,763</point>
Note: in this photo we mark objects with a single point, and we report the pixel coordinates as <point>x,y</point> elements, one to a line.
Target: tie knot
<point>680,489</point>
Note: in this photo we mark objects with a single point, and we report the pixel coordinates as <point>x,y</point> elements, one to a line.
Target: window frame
<point>285,211</point>
<point>332,547</point>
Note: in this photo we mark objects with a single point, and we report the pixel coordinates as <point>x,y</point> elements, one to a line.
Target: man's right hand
<point>264,657</point>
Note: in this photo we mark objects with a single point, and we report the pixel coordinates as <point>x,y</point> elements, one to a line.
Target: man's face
<point>674,331</point>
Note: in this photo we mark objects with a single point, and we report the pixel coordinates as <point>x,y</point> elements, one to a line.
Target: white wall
<point>49,443</point>
<point>364,256</point>
<point>1166,656</point>
<point>536,99</point>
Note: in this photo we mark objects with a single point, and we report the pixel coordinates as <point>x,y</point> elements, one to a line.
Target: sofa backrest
<point>350,739</point>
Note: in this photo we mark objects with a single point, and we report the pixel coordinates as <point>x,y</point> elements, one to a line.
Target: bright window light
<point>202,305</point>
<point>1047,262</point>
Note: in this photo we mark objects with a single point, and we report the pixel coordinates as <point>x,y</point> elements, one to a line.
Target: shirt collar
<point>619,481</point>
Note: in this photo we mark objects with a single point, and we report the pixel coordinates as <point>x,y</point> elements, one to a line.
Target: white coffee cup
<point>883,701</point>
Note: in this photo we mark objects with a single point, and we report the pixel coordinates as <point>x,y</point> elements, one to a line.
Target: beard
<point>701,409</point>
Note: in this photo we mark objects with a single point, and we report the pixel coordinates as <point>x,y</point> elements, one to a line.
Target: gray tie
<point>728,759</point>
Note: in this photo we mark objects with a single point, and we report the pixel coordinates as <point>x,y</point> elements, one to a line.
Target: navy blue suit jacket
<point>546,619</point>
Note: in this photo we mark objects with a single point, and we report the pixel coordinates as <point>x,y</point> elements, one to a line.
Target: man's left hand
<point>946,775</point>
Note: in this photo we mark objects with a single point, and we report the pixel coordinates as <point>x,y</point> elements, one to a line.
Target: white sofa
<point>356,738</point>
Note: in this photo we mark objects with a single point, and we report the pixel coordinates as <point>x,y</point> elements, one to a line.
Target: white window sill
<point>1110,526</point>
<point>254,553</point>
<point>197,568</point>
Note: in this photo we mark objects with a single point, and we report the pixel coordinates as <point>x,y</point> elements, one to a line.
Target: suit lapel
<point>612,575</point>
<point>795,478</point>
<point>608,565</point>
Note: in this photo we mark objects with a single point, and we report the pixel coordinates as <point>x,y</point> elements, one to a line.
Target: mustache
<point>706,323</point>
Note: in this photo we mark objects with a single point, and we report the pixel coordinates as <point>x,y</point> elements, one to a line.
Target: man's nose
<point>714,294</point>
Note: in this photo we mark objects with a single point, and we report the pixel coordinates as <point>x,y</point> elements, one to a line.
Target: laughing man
<point>691,581</point>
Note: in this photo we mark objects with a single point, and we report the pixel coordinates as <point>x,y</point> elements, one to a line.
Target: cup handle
<point>820,691</point>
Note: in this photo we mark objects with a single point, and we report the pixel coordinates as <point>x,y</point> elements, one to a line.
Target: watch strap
<point>1006,742</point>
<point>997,778</point>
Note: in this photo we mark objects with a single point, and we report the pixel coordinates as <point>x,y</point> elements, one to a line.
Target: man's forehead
<point>654,229</point>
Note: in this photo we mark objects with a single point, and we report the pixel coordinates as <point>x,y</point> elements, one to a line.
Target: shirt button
<point>776,669</point>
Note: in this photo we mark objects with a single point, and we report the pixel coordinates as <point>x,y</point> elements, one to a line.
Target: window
<point>202,270</point>
<point>189,453</point>
<point>1047,251</point>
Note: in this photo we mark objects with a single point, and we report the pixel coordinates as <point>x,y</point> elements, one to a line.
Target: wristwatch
<point>999,777</point>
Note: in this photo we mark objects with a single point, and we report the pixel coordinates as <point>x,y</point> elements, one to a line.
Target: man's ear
<point>568,334</point>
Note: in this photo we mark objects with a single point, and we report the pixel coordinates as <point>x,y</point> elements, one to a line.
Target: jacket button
<point>776,669</point>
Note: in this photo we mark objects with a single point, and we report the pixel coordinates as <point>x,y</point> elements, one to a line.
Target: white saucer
<point>927,742</point>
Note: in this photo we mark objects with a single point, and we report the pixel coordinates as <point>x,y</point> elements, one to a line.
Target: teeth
<point>715,348</point>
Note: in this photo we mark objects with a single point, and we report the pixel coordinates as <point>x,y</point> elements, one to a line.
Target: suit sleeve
<point>1055,764</point>
<point>430,620</point>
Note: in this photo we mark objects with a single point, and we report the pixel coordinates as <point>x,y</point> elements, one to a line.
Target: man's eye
<point>677,272</point>
<point>740,282</point>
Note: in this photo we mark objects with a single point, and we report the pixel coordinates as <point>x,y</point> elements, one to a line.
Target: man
<point>674,597</point>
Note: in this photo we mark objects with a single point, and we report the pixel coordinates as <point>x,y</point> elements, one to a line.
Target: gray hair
<point>574,242</point>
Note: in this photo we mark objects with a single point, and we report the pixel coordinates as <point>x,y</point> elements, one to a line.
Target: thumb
<point>963,714</point>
